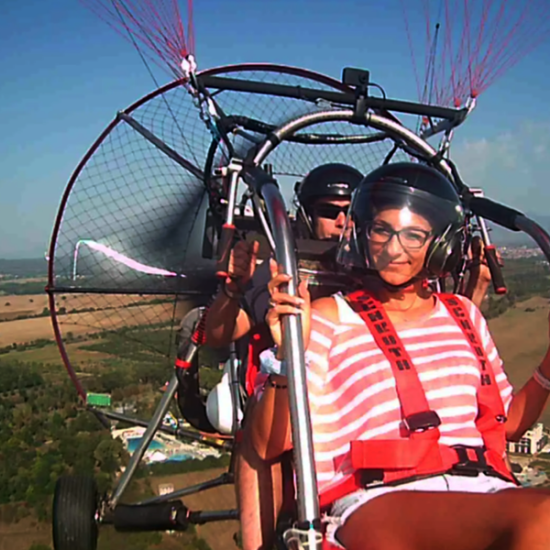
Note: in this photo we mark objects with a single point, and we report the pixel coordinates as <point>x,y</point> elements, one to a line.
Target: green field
<point>46,432</point>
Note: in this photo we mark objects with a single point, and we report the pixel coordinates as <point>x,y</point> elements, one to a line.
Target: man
<point>323,198</point>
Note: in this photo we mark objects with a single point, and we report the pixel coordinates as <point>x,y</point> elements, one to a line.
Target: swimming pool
<point>178,458</point>
<point>133,442</point>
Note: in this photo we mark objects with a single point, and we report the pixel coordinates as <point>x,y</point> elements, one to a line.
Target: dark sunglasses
<point>330,211</point>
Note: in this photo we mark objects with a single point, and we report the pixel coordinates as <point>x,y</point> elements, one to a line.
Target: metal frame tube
<point>233,171</point>
<point>483,230</point>
<point>157,142</point>
<point>378,122</point>
<point>207,516</point>
<point>536,232</point>
<point>160,411</point>
<point>176,432</point>
<point>480,221</point>
<point>235,387</point>
<point>148,435</point>
<point>308,501</point>
<point>345,98</point>
<point>263,221</point>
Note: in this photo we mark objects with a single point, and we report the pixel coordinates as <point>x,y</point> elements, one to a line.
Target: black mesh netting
<point>127,261</point>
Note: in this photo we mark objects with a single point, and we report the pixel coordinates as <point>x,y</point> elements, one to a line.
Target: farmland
<point>124,345</point>
<point>26,318</point>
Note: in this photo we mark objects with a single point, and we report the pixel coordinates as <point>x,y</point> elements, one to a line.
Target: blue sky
<point>65,73</point>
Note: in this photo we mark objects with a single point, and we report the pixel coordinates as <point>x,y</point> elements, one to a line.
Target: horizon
<point>499,242</point>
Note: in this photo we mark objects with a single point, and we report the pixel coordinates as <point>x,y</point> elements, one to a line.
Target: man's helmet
<point>334,180</point>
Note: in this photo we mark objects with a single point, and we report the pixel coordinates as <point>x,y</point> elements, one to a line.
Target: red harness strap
<point>421,454</point>
<point>260,338</point>
<point>492,417</point>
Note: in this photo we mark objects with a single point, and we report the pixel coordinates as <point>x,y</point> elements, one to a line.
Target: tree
<point>108,455</point>
<point>56,425</point>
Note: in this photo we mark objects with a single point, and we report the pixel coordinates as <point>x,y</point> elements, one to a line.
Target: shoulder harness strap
<point>419,420</point>
<point>491,417</point>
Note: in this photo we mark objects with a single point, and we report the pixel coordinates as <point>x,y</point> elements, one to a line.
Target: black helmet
<point>334,180</point>
<point>421,189</point>
<point>328,180</point>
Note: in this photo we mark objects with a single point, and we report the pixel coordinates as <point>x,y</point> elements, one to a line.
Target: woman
<point>438,482</point>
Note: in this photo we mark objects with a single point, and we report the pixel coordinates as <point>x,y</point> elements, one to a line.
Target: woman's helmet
<point>412,187</point>
<point>334,180</point>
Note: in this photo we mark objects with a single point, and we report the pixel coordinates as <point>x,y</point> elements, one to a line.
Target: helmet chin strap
<point>301,211</point>
<point>397,288</point>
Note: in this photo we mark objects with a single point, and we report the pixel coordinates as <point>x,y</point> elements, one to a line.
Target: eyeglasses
<point>409,238</point>
<point>330,211</point>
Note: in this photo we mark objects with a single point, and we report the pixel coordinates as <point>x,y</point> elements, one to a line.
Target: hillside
<point>521,335</point>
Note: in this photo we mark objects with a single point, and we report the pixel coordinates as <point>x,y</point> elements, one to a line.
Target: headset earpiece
<point>444,252</point>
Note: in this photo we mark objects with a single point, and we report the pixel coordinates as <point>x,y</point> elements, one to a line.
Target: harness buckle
<point>422,421</point>
<point>468,467</point>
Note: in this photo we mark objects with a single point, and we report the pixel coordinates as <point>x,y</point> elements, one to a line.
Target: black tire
<point>75,507</point>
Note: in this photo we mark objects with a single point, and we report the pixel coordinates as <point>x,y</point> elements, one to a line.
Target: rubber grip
<point>496,272</point>
<point>224,250</point>
<point>495,212</point>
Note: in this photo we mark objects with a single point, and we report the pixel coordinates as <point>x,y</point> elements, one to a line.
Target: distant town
<point>517,252</point>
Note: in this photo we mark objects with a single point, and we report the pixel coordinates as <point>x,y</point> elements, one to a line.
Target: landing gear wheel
<point>75,507</point>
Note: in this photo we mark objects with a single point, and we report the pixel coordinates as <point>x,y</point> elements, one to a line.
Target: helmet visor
<point>389,228</point>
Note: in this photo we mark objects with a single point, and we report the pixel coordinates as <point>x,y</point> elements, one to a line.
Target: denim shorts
<point>343,508</point>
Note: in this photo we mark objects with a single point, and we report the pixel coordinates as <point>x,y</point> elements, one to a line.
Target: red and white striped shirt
<point>352,389</point>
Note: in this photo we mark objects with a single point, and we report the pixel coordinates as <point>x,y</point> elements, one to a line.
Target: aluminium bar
<point>312,94</point>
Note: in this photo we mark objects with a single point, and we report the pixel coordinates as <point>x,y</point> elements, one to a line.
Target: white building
<point>531,443</point>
